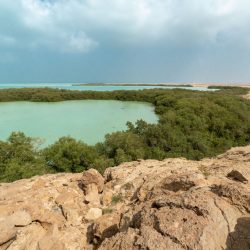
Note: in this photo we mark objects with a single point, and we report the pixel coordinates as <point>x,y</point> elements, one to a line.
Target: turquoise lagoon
<point>93,87</point>
<point>87,120</point>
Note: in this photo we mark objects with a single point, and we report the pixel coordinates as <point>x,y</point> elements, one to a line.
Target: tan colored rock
<point>107,197</point>
<point>146,204</point>
<point>27,237</point>
<point>182,204</point>
<point>92,183</point>
<point>93,214</point>
<point>7,232</point>
<point>20,218</point>
<point>92,194</point>
<point>50,243</point>
<point>124,240</point>
<point>236,175</point>
<point>105,227</point>
<point>92,176</point>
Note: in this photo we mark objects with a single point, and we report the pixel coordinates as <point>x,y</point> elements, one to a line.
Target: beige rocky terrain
<point>146,204</point>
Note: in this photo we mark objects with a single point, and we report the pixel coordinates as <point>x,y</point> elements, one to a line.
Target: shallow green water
<point>88,120</point>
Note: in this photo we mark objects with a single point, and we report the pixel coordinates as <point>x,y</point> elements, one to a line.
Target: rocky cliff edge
<point>146,204</point>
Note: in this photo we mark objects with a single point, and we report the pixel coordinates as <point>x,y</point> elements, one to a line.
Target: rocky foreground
<point>170,204</point>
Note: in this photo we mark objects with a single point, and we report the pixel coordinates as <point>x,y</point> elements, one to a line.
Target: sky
<point>148,41</point>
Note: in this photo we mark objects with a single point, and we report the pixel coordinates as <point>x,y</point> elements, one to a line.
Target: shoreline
<point>205,85</point>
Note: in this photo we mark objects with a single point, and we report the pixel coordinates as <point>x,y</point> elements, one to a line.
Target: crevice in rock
<point>178,185</point>
<point>135,197</point>
<point>225,218</point>
<point>156,226</point>
<point>164,203</point>
<point>9,241</point>
<point>234,196</point>
<point>44,225</point>
<point>64,214</point>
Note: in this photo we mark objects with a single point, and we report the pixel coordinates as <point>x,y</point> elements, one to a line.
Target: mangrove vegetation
<point>191,124</point>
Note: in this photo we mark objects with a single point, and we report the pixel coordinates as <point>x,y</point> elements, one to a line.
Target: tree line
<point>191,124</point>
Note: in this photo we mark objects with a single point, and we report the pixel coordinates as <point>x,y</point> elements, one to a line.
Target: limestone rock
<point>92,184</point>
<point>8,232</point>
<point>93,214</point>
<point>92,194</point>
<point>146,204</point>
<point>107,197</point>
<point>105,227</point>
<point>236,175</point>
<point>50,243</point>
<point>90,177</point>
<point>20,218</point>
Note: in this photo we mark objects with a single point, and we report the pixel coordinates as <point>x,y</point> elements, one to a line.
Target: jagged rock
<point>107,197</point>
<point>93,214</point>
<point>28,237</point>
<point>240,237</point>
<point>121,241</point>
<point>90,177</point>
<point>147,204</point>
<point>92,195</point>
<point>236,194</point>
<point>105,227</point>
<point>92,184</point>
<point>236,175</point>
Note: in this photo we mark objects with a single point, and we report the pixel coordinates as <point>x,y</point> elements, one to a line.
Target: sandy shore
<point>205,85</point>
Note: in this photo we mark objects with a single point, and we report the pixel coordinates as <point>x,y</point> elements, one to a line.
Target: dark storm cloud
<point>121,40</point>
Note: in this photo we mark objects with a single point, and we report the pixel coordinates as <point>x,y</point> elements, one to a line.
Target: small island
<point>134,84</point>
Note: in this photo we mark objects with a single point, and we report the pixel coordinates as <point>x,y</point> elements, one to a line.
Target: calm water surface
<point>88,87</point>
<point>88,120</point>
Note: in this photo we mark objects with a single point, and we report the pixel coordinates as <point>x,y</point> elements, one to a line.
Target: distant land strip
<point>133,84</point>
<point>204,85</point>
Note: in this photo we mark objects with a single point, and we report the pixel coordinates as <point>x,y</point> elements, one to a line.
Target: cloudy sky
<point>124,41</point>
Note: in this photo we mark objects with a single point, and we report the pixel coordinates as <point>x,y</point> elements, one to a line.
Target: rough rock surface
<point>169,204</point>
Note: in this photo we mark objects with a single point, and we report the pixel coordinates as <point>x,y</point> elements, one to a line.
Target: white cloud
<point>82,25</point>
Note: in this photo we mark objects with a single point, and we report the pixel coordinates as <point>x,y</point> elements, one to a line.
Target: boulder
<point>106,198</point>
<point>238,176</point>
<point>93,214</point>
<point>91,177</point>
<point>92,194</point>
<point>105,227</point>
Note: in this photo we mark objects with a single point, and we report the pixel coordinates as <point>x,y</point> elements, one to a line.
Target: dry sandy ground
<point>244,85</point>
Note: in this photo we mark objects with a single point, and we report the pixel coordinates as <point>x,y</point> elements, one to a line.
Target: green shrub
<point>191,124</point>
<point>116,199</point>
<point>69,155</point>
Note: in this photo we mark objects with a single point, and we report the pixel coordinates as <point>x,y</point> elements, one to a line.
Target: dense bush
<point>20,159</point>
<point>69,155</point>
<point>123,146</point>
<point>191,124</point>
